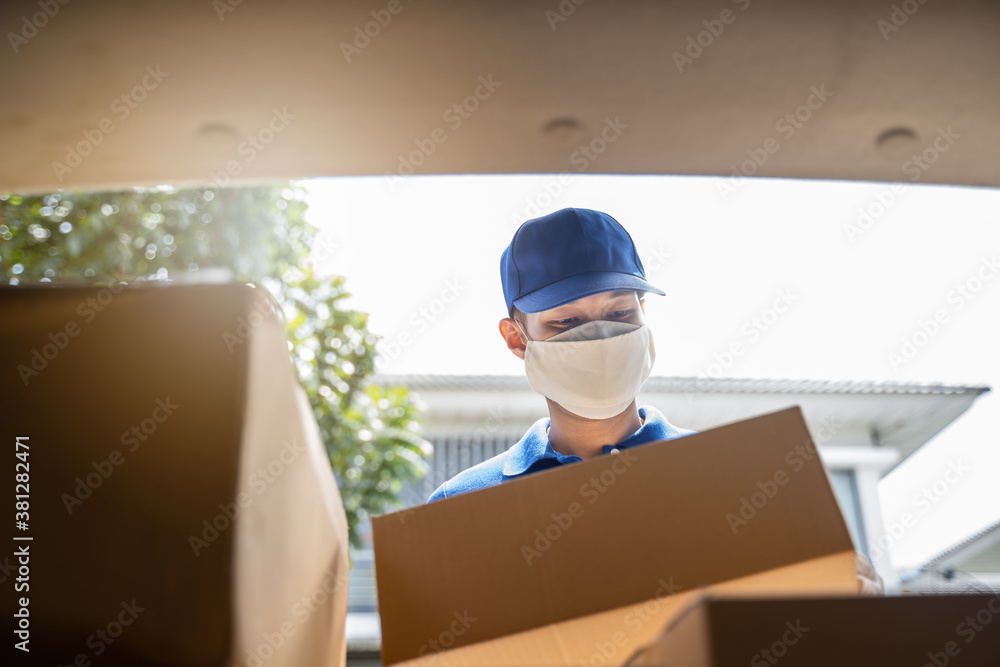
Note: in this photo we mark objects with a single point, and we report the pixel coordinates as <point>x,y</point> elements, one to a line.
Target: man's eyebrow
<point>617,294</point>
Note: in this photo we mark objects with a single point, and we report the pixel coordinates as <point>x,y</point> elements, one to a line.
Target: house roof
<point>972,548</point>
<point>691,384</point>
<point>902,416</point>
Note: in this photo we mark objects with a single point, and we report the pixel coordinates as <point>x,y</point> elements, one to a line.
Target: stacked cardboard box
<point>961,630</point>
<point>182,510</point>
<point>587,563</point>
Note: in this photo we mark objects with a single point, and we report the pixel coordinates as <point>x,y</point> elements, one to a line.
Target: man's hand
<point>869,583</point>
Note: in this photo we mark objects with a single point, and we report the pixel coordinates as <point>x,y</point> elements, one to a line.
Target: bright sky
<point>422,254</point>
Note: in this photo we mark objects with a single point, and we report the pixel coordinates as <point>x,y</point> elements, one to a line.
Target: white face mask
<point>594,370</point>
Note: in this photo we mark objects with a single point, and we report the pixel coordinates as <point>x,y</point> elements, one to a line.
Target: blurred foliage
<point>250,234</point>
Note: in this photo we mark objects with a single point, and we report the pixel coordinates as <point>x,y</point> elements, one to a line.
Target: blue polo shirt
<point>533,452</point>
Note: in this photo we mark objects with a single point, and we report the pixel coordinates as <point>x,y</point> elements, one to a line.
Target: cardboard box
<point>933,631</point>
<point>181,501</point>
<point>586,563</point>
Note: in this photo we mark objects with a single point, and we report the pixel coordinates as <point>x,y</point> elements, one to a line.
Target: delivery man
<point>575,291</point>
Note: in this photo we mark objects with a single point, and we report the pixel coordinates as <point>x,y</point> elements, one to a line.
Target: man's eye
<point>619,314</point>
<point>564,322</point>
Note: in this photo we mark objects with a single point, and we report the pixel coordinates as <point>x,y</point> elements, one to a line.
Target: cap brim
<point>581,285</point>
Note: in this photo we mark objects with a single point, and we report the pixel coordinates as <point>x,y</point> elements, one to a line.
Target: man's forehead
<point>600,297</point>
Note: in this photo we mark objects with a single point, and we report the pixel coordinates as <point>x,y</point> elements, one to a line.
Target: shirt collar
<point>654,427</point>
<point>531,448</point>
<point>535,446</point>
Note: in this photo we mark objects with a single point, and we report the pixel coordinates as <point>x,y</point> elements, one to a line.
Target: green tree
<point>251,234</point>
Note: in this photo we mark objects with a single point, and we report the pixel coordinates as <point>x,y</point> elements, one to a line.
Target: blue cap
<point>567,255</point>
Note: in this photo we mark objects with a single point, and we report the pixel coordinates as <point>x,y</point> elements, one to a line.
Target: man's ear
<point>512,336</point>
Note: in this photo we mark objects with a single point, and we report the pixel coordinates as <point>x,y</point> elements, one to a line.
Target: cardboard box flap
<point>608,638</point>
<point>592,536</point>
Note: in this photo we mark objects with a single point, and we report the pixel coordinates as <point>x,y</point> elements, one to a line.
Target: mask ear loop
<point>524,334</point>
